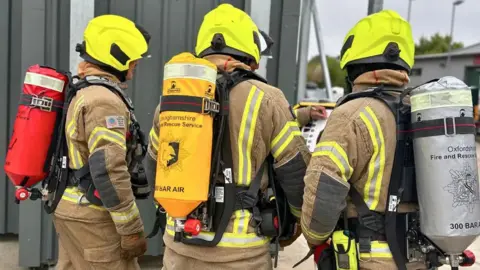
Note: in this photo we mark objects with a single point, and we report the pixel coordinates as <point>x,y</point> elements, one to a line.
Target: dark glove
<point>133,246</point>
<point>318,250</point>
<point>296,234</point>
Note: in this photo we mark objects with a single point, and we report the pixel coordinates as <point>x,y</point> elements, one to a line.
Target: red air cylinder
<point>39,112</point>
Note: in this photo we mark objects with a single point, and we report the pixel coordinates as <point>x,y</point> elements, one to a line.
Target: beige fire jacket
<point>96,129</point>
<point>356,149</point>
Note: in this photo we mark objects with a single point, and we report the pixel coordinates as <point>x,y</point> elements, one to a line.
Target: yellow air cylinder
<point>185,137</point>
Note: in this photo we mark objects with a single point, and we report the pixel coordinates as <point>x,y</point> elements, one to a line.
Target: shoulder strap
<point>57,179</point>
<point>112,86</point>
<point>385,224</point>
<point>379,93</point>
<point>241,75</point>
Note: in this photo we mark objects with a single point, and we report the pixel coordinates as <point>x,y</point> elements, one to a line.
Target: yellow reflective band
<point>284,138</point>
<point>295,211</point>
<point>313,235</point>
<point>233,240</point>
<point>72,194</point>
<point>377,162</point>
<point>378,250</point>
<point>245,138</point>
<point>295,112</point>
<point>126,216</point>
<point>44,81</point>
<point>101,133</point>
<point>241,221</point>
<point>336,153</point>
<point>154,139</point>
<point>202,72</point>
<point>76,159</point>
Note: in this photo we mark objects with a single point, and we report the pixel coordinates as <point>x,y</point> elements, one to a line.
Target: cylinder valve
<point>193,226</point>
<point>22,194</point>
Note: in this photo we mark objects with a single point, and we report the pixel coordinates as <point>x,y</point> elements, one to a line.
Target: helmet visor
<point>266,43</point>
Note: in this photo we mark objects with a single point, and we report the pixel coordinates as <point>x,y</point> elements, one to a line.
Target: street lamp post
<point>455,3</point>
<point>409,9</point>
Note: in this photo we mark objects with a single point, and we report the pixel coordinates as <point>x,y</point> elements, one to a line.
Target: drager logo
<point>173,88</point>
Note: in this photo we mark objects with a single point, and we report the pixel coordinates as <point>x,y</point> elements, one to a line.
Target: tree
<point>315,73</point>
<point>435,44</point>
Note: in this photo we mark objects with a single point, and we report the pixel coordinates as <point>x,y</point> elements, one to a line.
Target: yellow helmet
<point>229,30</point>
<point>383,37</point>
<point>113,41</point>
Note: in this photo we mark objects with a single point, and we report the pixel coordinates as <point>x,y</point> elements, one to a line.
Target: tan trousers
<point>175,261</point>
<point>84,246</point>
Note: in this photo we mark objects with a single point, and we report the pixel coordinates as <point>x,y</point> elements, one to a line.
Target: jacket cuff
<point>303,116</point>
<point>128,222</point>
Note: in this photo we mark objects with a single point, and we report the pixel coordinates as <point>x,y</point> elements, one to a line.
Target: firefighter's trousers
<point>258,261</point>
<point>85,246</point>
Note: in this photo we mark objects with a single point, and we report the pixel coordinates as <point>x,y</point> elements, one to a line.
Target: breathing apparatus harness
<point>269,209</point>
<point>401,231</point>
<point>61,176</point>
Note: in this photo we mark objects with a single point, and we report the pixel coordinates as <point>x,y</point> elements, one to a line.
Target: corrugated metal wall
<point>38,32</point>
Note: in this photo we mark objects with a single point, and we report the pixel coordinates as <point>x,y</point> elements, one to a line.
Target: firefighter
<point>103,230</point>
<point>356,149</point>
<point>269,126</point>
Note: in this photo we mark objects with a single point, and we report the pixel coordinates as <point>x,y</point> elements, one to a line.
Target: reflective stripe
<point>241,221</point>
<point>377,162</point>
<point>102,133</point>
<point>72,194</point>
<point>233,240</point>
<point>295,211</point>
<point>126,216</point>
<point>336,153</point>
<point>44,81</point>
<point>284,137</point>
<point>295,112</point>
<point>378,250</point>
<point>314,235</point>
<point>75,157</point>
<point>154,139</point>
<point>202,72</point>
<point>245,138</point>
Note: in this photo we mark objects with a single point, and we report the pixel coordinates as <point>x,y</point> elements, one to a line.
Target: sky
<point>427,17</point>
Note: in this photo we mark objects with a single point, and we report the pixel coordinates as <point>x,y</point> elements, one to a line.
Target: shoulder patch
<point>115,121</point>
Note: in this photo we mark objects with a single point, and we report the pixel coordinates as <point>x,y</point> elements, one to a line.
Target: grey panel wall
<point>281,70</point>
<point>38,33</point>
<point>9,57</point>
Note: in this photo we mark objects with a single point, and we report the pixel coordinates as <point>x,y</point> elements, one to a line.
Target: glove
<point>296,234</point>
<point>319,250</point>
<point>132,246</point>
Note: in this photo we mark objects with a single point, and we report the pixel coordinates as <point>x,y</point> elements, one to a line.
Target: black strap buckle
<point>364,244</point>
<point>245,200</point>
<point>43,103</point>
<point>210,106</point>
